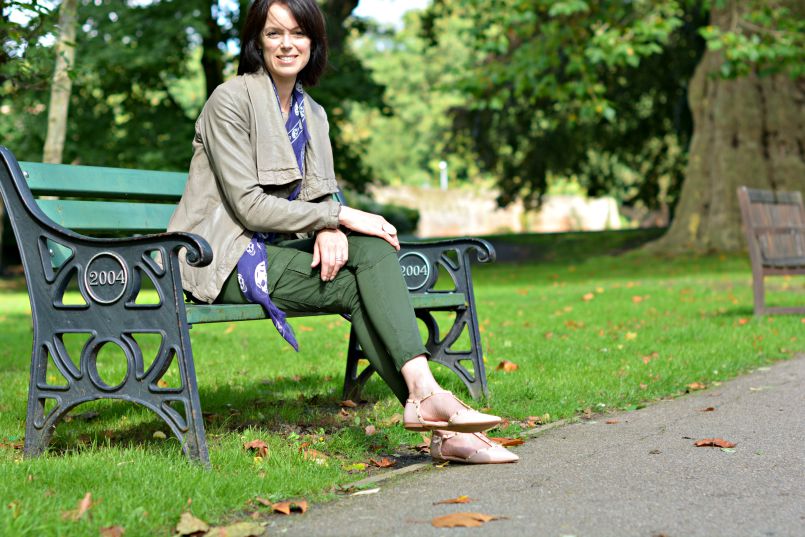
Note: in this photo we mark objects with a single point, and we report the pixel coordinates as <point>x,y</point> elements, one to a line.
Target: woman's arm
<point>224,129</point>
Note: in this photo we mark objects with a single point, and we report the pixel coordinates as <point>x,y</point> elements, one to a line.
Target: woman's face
<point>286,48</point>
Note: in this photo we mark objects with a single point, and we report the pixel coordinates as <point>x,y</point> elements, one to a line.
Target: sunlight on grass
<point>603,334</point>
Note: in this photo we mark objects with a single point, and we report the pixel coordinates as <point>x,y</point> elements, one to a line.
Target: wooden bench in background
<point>104,228</point>
<point>774,223</point>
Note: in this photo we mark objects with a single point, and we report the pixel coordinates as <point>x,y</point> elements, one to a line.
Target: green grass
<point>692,322</point>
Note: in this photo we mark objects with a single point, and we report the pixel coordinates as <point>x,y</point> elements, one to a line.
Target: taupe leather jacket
<point>242,172</point>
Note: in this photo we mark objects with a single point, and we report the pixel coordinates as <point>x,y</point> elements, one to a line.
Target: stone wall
<point>470,211</point>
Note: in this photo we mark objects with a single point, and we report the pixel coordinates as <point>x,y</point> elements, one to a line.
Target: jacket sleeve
<point>224,128</point>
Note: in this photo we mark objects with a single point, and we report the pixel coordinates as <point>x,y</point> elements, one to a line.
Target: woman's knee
<point>367,251</point>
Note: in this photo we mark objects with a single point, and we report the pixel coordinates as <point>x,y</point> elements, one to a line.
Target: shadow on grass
<point>226,410</point>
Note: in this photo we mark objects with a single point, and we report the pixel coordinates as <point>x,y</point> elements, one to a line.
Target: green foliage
<point>764,37</point>
<point>591,90</point>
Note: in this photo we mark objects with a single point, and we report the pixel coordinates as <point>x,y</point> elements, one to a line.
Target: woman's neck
<point>284,91</point>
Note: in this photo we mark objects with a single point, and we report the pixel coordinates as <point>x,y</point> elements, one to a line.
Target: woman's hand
<point>368,224</point>
<point>331,251</point>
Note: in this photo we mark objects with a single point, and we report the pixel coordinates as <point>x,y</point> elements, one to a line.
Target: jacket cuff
<point>333,209</point>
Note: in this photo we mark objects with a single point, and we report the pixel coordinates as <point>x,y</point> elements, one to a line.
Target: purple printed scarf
<point>253,264</point>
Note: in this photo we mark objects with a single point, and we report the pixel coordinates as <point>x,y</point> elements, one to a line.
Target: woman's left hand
<point>331,251</point>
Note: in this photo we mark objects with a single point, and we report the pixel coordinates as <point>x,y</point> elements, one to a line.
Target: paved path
<point>641,477</point>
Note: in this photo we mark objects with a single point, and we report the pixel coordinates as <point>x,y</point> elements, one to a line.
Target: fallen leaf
<point>714,442</point>
<point>588,296</point>
<point>506,366</point>
<point>742,321</point>
<point>188,525</point>
<point>239,529</point>
<point>696,386</point>
<point>230,328</point>
<point>395,419</point>
<point>260,447</point>
<point>84,505</point>
<point>707,409</point>
<point>385,462</point>
<point>588,413</point>
<point>162,383</point>
<point>370,430</point>
<point>314,455</point>
<point>643,386</point>
<point>300,506</point>
<point>112,531</point>
<point>357,467</point>
<point>630,336</point>
<point>460,499</point>
<point>612,422</point>
<point>263,501</point>
<point>646,359</point>
<point>506,442</point>
<point>637,299</point>
<point>463,520</point>
<point>343,413</point>
<point>282,508</point>
<point>349,403</point>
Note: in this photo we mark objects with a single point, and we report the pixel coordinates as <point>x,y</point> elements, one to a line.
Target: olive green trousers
<point>370,288</point>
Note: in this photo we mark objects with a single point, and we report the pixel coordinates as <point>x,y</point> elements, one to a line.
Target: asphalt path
<point>641,476</point>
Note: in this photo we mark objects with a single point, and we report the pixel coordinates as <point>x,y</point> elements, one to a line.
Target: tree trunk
<point>748,131</point>
<point>62,84</point>
<point>212,58</point>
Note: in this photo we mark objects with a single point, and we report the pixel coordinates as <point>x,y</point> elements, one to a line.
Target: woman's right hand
<point>368,224</point>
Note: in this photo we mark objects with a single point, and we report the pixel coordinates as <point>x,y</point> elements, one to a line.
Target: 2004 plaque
<point>106,277</point>
<point>415,269</point>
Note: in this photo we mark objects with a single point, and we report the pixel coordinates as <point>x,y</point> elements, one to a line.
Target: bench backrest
<point>775,224</point>
<point>96,200</point>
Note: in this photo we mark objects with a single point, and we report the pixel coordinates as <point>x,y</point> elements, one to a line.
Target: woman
<point>262,174</point>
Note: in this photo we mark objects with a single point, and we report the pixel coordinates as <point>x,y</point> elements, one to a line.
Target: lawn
<point>587,335</point>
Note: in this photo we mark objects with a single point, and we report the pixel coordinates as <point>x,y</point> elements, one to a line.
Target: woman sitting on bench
<point>262,173</point>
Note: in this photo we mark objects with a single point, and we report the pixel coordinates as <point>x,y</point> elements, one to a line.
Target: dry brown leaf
<point>370,430</point>
<point>349,403</point>
<point>263,501</point>
<point>230,328</point>
<point>343,413</point>
<point>260,448</point>
<point>637,299</point>
<point>506,366</point>
<point>643,386</point>
<point>506,442</point>
<point>188,525</point>
<point>696,386</point>
<point>587,413</point>
<point>282,507</point>
<point>385,462</point>
<point>462,520</point>
<point>707,409</point>
<point>112,531</point>
<point>742,321</point>
<point>612,422</point>
<point>714,442</point>
<point>84,505</point>
<point>460,499</point>
<point>162,383</point>
<point>314,455</point>
<point>300,506</point>
<point>588,296</point>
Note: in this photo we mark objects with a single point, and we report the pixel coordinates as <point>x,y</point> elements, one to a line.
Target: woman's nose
<point>286,41</point>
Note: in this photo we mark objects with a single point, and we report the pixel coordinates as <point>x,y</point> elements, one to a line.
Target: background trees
<point>524,94</point>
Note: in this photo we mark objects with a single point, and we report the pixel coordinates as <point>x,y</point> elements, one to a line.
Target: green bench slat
<point>106,183</point>
<point>217,313</point>
<point>95,216</point>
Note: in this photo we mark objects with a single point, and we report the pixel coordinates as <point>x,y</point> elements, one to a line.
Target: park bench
<point>774,223</point>
<point>104,229</point>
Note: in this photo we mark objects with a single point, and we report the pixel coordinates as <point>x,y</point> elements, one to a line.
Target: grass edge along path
<point>586,338</point>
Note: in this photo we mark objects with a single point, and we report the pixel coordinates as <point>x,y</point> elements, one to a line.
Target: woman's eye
<point>272,34</point>
<point>300,33</point>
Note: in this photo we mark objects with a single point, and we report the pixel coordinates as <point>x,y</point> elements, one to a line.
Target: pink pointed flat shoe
<point>492,453</point>
<point>464,420</point>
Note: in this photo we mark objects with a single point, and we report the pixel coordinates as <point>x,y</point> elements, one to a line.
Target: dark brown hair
<point>310,20</point>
